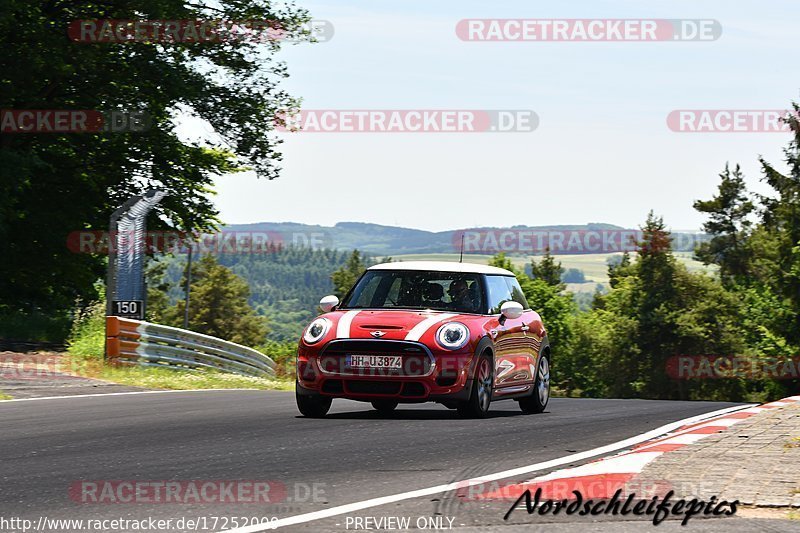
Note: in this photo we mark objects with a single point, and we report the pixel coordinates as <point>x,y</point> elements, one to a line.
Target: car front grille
<point>416,359</point>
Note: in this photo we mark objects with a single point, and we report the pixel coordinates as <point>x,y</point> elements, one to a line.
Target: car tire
<point>313,405</point>
<point>385,407</point>
<point>537,401</point>
<point>480,397</point>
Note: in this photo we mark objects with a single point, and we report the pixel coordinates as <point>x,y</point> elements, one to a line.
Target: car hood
<point>394,324</point>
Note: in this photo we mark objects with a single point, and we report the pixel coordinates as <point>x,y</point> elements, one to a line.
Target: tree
<point>656,309</point>
<point>346,276</point>
<point>547,300</point>
<point>729,226</point>
<point>218,305</point>
<point>501,261</point>
<point>760,262</point>
<point>158,287</point>
<point>547,269</point>
<point>52,183</point>
<point>779,238</point>
<point>618,268</point>
<point>573,275</point>
<point>654,297</point>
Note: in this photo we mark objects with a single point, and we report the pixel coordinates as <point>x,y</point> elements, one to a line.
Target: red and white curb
<point>602,478</point>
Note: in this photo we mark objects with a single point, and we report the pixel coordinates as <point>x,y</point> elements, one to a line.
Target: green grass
<point>88,337</point>
<point>4,396</point>
<point>158,378</point>
<point>87,342</point>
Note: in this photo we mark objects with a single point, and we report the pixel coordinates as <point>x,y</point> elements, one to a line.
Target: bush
<point>573,275</point>
<point>36,325</point>
<point>283,353</point>
<point>88,336</point>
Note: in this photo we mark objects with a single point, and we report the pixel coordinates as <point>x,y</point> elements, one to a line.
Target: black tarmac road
<point>48,446</point>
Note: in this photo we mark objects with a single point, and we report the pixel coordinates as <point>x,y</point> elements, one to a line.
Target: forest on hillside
<point>285,283</point>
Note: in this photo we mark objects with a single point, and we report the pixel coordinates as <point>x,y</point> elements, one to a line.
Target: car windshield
<point>411,289</point>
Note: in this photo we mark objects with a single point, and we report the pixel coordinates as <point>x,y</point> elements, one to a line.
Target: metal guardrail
<point>133,342</point>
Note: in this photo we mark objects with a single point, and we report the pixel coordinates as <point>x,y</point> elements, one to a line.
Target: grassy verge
<point>168,378</point>
<point>4,396</point>
<point>85,351</point>
<point>163,378</point>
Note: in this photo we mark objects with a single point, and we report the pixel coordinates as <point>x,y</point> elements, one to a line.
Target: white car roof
<point>443,266</point>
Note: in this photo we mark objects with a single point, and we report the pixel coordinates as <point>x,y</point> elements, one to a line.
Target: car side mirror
<point>329,303</point>
<point>511,310</point>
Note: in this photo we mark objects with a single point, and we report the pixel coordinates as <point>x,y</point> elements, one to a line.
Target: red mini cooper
<point>455,333</point>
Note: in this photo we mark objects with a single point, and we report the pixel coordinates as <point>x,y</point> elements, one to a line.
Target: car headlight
<point>316,330</point>
<point>453,335</point>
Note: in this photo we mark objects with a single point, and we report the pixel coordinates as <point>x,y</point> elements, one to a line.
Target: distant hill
<point>382,240</point>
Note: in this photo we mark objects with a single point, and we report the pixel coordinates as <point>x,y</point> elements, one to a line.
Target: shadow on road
<point>414,414</point>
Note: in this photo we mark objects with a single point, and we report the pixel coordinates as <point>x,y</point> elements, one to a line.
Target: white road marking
<point>376,502</point>
<point>721,422</point>
<point>99,395</point>
<point>343,327</point>
<point>630,463</point>
<point>419,330</point>
<point>779,403</point>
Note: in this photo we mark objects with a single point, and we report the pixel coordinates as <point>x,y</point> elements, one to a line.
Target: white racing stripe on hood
<point>343,327</point>
<point>419,330</point>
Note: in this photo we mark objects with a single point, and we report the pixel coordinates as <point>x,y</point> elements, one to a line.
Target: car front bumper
<point>424,376</point>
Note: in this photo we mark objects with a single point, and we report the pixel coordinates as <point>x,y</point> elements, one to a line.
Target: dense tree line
<point>657,310</point>
<point>52,183</point>
<point>218,305</point>
<point>284,284</point>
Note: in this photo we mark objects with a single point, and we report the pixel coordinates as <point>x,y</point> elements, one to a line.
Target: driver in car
<point>459,295</point>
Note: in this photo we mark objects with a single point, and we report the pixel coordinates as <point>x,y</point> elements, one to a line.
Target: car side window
<point>516,292</point>
<point>499,293</point>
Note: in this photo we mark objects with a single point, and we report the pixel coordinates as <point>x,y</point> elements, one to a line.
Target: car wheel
<point>313,405</point>
<point>384,407</point>
<point>537,401</point>
<point>481,396</point>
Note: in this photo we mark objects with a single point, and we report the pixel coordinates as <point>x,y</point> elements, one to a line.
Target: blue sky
<point>602,151</point>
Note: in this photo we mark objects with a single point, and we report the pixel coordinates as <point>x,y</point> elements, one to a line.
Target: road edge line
<point>100,394</point>
<point>383,500</point>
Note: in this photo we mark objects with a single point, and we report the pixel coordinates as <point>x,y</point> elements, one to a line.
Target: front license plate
<point>374,361</point>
